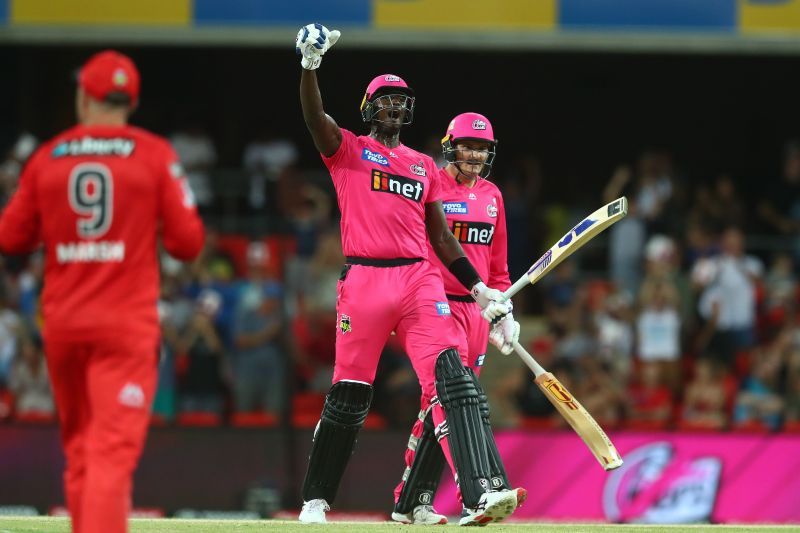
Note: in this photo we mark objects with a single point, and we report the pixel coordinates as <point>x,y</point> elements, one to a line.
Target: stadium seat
<point>35,417</point>
<point>538,423</point>
<point>697,427</point>
<point>158,420</point>
<point>306,409</point>
<point>257,419</point>
<point>375,421</point>
<point>750,426</point>
<point>792,427</point>
<point>646,425</point>
<point>199,419</point>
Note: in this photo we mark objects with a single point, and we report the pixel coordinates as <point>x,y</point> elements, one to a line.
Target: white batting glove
<point>493,304</point>
<point>504,334</point>
<point>313,40</point>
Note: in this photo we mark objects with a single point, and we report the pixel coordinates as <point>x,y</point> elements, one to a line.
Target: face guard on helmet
<point>391,93</point>
<point>470,127</point>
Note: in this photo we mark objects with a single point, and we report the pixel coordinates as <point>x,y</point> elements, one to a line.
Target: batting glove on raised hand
<point>505,333</point>
<point>492,302</point>
<point>313,40</point>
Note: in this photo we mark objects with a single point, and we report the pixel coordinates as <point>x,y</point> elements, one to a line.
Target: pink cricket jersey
<point>382,194</point>
<point>477,218</point>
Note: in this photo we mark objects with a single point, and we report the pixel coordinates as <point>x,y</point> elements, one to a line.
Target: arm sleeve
<point>181,228</point>
<point>498,263</point>
<point>20,222</point>
<point>337,160</point>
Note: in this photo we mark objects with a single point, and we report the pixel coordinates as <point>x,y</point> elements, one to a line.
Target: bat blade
<point>571,242</point>
<point>581,421</point>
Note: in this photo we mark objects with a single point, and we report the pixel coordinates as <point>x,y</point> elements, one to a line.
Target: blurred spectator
<point>599,392</point>
<point>650,399</point>
<point>615,334</point>
<point>758,399</point>
<point>780,287</point>
<point>627,237</point>
<point>11,167</point>
<point>201,345</point>
<point>265,158</point>
<point>779,208</point>
<point>793,387</point>
<point>29,382</point>
<point>662,264</point>
<point>727,302</point>
<point>705,397</point>
<point>10,331</point>
<point>198,156</point>
<point>259,366</point>
<point>658,329</point>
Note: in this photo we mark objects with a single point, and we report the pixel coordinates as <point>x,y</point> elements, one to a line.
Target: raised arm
<point>313,40</point>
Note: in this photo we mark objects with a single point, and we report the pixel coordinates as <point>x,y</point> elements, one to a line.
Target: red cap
<point>109,72</point>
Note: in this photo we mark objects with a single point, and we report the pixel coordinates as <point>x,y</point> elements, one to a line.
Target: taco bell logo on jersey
<point>117,146</point>
<point>419,170</point>
<point>478,125</point>
<point>473,232</point>
<point>344,323</point>
<point>442,308</point>
<point>375,157</point>
<point>576,231</point>
<point>399,185</point>
<point>455,208</point>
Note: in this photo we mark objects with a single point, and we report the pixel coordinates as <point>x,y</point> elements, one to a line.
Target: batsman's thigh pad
<point>459,399</point>
<point>345,410</point>
<point>499,479</point>
<point>422,479</point>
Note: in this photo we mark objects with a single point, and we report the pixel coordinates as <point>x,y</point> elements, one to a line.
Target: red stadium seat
<point>258,419</point>
<point>698,427</point>
<point>375,421</point>
<point>306,409</point>
<point>538,423</point>
<point>157,420</point>
<point>34,417</point>
<point>750,426</point>
<point>792,426</point>
<point>199,419</point>
<point>646,425</point>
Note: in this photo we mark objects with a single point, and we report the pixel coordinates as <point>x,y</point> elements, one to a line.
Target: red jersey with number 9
<point>98,198</point>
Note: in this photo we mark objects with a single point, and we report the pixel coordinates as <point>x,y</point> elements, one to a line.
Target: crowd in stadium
<point>690,328</point>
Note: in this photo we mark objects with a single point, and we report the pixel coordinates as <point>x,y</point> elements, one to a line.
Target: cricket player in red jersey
<point>389,196</point>
<point>98,196</point>
<point>476,215</point>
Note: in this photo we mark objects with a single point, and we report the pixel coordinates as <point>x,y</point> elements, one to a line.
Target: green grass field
<point>60,525</point>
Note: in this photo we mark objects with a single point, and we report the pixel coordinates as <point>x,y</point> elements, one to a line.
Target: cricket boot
<point>424,515</point>
<point>314,512</point>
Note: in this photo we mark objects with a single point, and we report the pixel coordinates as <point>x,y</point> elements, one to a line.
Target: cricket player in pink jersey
<point>389,196</point>
<point>476,216</point>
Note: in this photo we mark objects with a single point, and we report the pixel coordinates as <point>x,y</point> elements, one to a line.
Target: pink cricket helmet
<point>470,127</point>
<point>382,85</point>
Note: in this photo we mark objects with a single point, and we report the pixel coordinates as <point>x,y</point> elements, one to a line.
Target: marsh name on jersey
<point>90,252</point>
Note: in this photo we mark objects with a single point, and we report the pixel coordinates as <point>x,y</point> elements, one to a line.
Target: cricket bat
<point>573,412</point>
<point>571,242</point>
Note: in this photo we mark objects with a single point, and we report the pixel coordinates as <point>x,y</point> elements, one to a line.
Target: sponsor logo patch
<point>419,170</point>
<point>131,395</point>
<point>374,157</point>
<point>455,208</point>
<point>442,308</point>
<point>473,232</point>
<point>491,210</point>
<point>399,185</point>
<point>478,125</point>
<point>576,231</point>
<point>542,263</point>
<point>479,360</point>
<point>391,77</point>
<point>344,323</point>
<point>472,196</point>
<point>117,146</point>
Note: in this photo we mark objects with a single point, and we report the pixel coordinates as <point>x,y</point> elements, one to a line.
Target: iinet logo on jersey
<point>473,232</point>
<point>394,184</point>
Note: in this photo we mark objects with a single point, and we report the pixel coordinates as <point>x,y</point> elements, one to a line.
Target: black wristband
<point>464,272</point>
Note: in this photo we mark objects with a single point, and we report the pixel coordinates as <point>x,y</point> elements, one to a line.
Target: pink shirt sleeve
<point>498,262</point>
<point>339,159</point>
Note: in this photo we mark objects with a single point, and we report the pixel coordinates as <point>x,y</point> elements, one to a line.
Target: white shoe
<point>492,507</point>
<point>424,515</point>
<point>314,512</point>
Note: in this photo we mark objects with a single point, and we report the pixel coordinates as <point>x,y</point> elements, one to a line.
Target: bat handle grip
<point>529,360</point>
<point>516,287</point>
